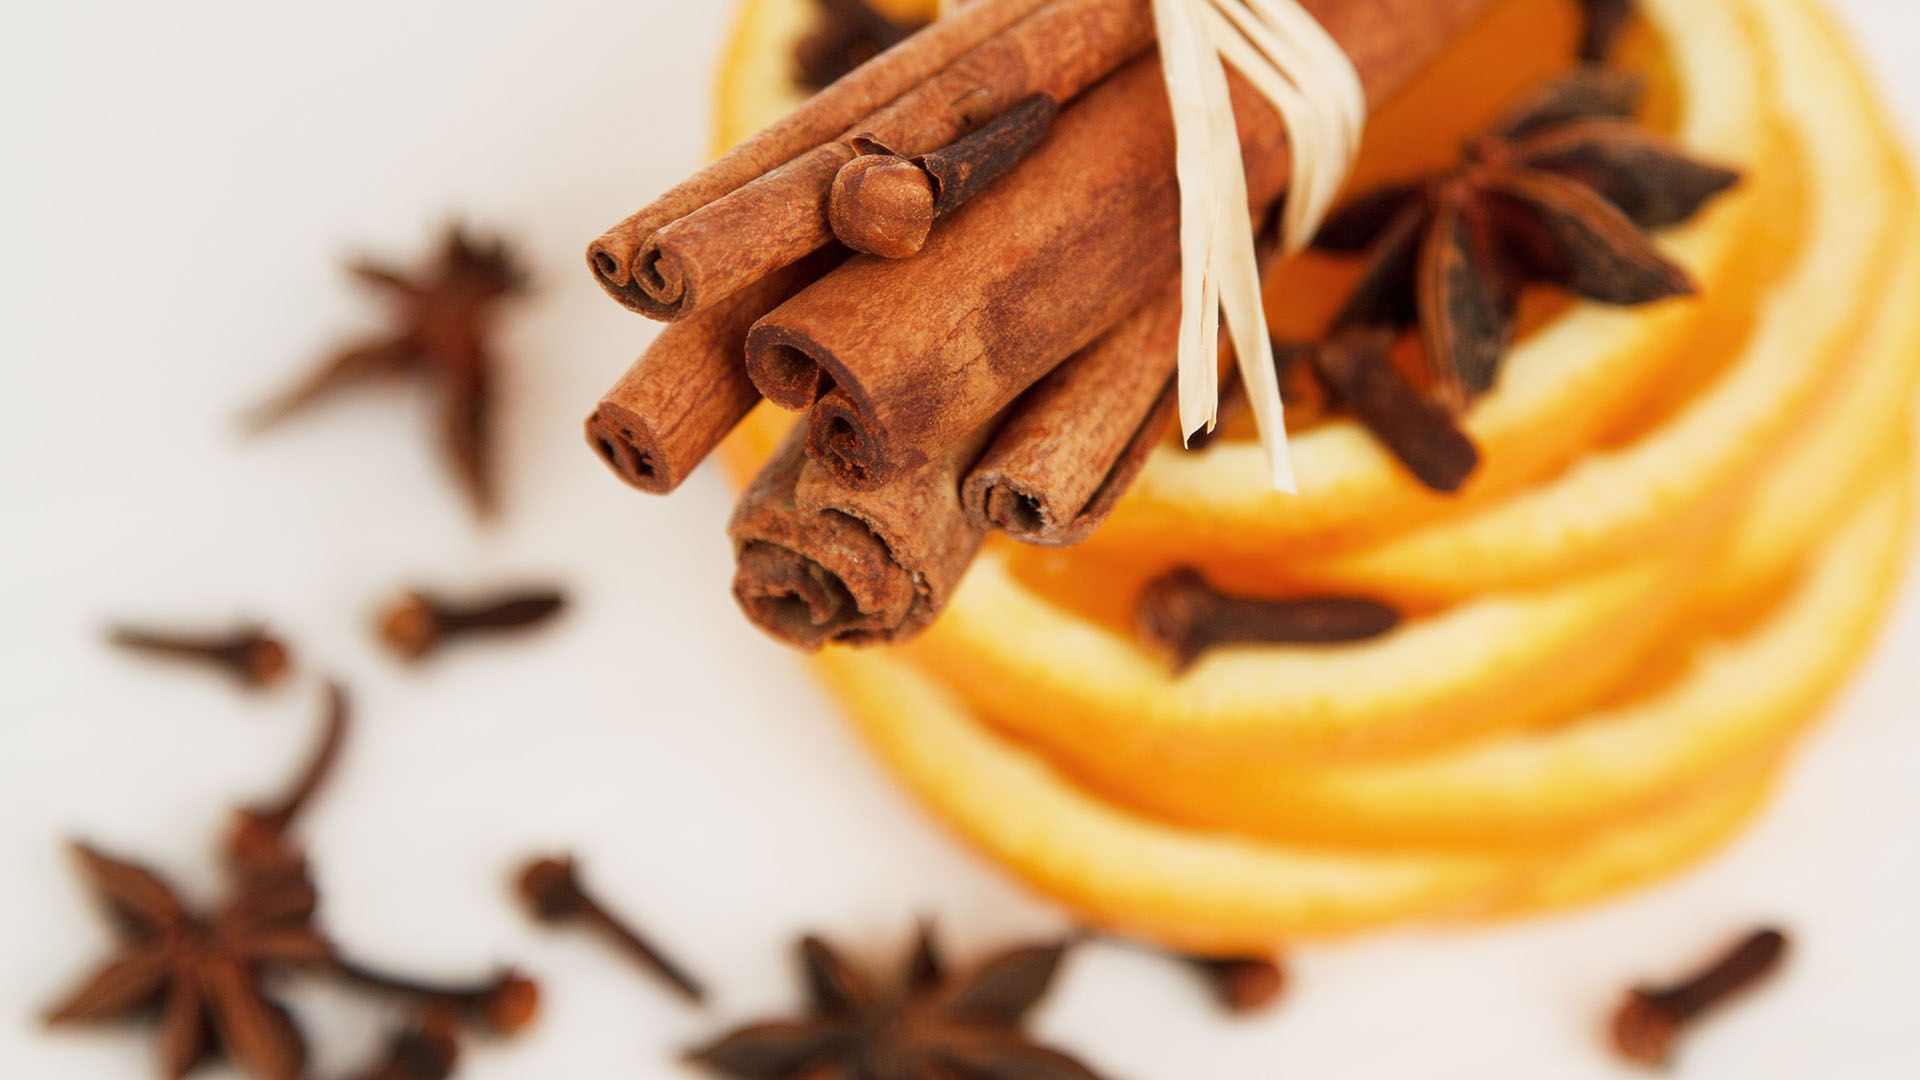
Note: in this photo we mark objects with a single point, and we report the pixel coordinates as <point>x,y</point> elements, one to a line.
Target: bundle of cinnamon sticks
<point>959,261</point>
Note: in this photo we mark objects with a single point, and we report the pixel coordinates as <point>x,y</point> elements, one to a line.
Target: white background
<point>179,181</point>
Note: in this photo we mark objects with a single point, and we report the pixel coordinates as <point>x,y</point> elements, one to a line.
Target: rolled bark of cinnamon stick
<point>734,240</point>
<point>824,116</point>
<point>1072,444</point>
<point>820,563</point>
<point>690,388</point>
<point>919,352</point>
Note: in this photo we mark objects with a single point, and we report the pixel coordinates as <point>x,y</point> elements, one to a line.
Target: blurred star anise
<point>849,33</point>
<point>1603,20</point>
<point>1562,191</point>
<point>442,321</point>
<point>206,975</point>
<point>927,1027</point>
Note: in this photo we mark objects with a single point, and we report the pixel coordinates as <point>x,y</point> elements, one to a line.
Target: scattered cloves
<point>419,622</point>
<point>259,836</point>
<point>504,1004</point>
<point>1243,984</point>
<point>552,890</point>
<point>426,1049</point>
<point>253,657</point>
<point>1184,616</point>
<point>1652,1019</point>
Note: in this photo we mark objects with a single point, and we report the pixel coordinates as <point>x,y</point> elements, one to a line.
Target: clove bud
<point>1243,984</point>
<point>1183,616</point>
<point>1651,1020</point>
<point>419,622</point>
<point>552,890</point>
<point>885,204</point>
<point>504,1004</point>
<point>425,1049</point>
<point>251,656</point>
<point>259,834</point>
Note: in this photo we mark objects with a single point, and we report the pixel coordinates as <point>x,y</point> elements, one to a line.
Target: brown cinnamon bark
<point>820,563</point>
<point>778,218</point>
<point>915,353</point>
<point>690,388</point>
<point>885,204</point>
<point>824,116</point>
<point>1073,443</point>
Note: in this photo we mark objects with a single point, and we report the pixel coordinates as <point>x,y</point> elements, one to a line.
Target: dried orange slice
<point>1211,892</point>
<point>1736,703</point>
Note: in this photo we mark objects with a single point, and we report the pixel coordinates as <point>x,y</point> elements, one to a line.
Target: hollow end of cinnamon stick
<point>839,440</point>
<point>793,597</point>
<point>883,205</point>
<point>610,257</point>
<point>657,279</point>
<point>625,441</point>
<point>607,267</point>
<point>783,364</point>
<point>1020,514</point>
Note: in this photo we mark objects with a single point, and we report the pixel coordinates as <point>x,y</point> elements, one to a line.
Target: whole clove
<point>554,894</point>
<point>1184,616</point>
<point>428,1048</point>
<point>1242,984</point>
<point>419,623</point>
<point>253,657</point>
<point>885,204</point>
<point>1652,1019</point>
<point>503,1004</point>
<point>259,833</point>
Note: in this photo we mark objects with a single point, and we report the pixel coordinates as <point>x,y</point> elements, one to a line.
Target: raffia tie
<point>1289,58</point>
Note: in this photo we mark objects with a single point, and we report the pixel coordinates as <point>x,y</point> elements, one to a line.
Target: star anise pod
<point>928,1026</point>
<point>206,975</point>
<point>1563,191</point>
<point>849,33</point>
<point>1601,24</point>
<point>442,322</point>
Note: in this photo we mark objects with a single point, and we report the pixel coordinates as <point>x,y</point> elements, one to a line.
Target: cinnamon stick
<point>885,204</point>
<point>1074,443</point>
<point>820,563</point>
<point>919,352</point>
<point>734,240</point>
<point>690,388</point>
<point>824,116</point>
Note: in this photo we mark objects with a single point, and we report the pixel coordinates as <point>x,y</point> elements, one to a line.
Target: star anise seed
<point>925,1027</point>
<point>1358,374</point>
<point>442,323</point>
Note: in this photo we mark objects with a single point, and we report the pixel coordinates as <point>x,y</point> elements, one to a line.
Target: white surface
<point>179,182</point>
